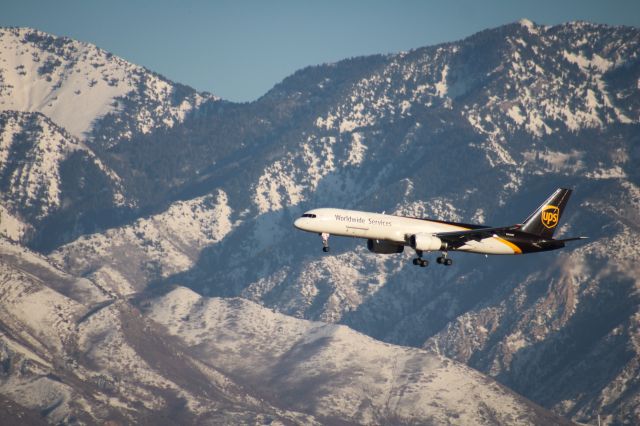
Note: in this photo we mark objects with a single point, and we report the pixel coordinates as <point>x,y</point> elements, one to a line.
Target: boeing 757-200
<point>389,234</point>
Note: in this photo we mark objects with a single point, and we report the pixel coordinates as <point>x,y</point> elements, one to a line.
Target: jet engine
<point>384,247</point>
<point>427,242</point>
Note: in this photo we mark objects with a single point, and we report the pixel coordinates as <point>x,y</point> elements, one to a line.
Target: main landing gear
<point>419,261</point>
<point>325,242</point>
<point>442,260</point>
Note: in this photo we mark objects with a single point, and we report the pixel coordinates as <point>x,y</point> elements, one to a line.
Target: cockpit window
<point>311,215</point>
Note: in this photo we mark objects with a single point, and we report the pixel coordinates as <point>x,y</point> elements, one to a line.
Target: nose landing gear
<point>325,242</point>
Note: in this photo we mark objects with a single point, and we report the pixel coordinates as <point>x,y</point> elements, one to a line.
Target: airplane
<point>388,234</point>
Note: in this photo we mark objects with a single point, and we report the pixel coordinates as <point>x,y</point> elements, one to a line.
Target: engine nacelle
<point>384,247</point>
<point>427,242</point>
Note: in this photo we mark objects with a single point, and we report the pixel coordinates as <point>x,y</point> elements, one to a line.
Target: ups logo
<point>550,216</point>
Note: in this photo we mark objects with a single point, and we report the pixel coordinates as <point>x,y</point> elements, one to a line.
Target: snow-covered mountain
<point>72,354</point>
<point>334,372</point>
<point>47,175</point>
<point>125,260</point>
<point>480,130</point>
<point>75,354</point>
<point>63,103</point>
<point>33,152</point>
<point>93,94</point>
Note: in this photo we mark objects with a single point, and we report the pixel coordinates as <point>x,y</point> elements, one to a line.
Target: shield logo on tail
<point>550,215</point>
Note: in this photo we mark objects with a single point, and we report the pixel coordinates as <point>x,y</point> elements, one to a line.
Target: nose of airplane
<point>298,222</point>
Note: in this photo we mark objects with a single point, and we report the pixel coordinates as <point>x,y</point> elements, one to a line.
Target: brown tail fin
<point>545,219</point>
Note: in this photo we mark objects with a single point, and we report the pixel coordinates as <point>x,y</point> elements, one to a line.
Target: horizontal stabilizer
<point>564,240</point>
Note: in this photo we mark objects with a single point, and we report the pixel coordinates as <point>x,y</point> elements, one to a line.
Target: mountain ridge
<point>108,79</point>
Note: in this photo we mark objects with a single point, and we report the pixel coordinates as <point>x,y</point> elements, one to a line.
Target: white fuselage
<point>376,226</point>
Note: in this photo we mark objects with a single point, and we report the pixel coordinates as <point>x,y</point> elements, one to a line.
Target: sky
<point>240,49</point>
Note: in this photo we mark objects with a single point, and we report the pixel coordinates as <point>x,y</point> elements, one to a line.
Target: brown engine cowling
<point>427,242</point>
<point>384,247</point>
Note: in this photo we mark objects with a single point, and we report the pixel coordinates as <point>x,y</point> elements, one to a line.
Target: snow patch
<point>529,25</point>
<point>567,162</point>
<point>516,114</point>
<point>441,86</point>
<point>615,172</point>
<point>596,62</point>
<point>357,150</point>
<point>11,227</point>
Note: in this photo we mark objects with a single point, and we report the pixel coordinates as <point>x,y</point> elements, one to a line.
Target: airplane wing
<point>459,238</point>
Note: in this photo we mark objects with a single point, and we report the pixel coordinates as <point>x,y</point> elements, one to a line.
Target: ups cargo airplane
<point>389,234</point>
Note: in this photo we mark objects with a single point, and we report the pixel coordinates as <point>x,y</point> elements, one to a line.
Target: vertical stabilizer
<point>544,221</point>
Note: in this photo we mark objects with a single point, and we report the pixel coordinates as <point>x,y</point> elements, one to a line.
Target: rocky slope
<point>334,372</point>
<point>45,173</point>
<point>125,260</point>
<point>73,353</point>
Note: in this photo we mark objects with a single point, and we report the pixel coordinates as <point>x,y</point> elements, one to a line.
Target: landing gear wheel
<point>419,261</point>
<point>444,260</point>
<point>325,249</point>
